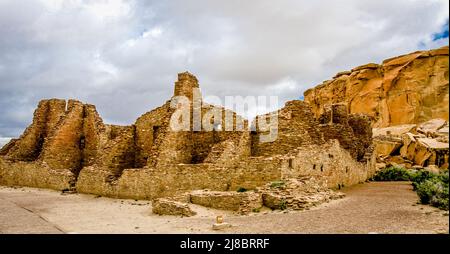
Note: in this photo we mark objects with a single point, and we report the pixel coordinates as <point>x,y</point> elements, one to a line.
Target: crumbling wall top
<point>185,84</point>
<point>184,76</point>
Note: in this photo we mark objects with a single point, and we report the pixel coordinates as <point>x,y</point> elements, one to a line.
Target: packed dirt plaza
<point>372,208</point>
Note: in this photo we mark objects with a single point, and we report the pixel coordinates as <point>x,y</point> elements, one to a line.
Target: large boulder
<point>164,206</point>
<point>432,128</point>
<point>387,147</point>
<point>408,149</point>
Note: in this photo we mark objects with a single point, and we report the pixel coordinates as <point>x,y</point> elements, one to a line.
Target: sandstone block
<point>163,206</point>
<point>409,146</point>
<point>386,147</point>
<point>432,127</point>
<point>242,202</point>
<point>221,226</point>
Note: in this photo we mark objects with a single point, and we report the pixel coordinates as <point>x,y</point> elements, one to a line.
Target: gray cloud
<point>123,56</point>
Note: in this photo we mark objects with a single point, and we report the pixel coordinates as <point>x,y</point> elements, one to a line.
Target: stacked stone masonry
<point>68,146</point>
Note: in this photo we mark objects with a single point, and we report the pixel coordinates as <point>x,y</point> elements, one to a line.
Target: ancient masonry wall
<point>296,127</point>
<point>329,162</point>
<point>68,147</point>
<point>34,175</point>
<point>352,130</point>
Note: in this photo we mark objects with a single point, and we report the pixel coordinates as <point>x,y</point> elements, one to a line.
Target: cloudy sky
<point>123,56</point>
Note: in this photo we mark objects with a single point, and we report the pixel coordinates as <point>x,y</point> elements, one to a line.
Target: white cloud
<point>4,141</point>
<point>123,56</point>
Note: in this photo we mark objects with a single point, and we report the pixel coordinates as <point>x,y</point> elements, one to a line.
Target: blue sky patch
<point>442,34</point>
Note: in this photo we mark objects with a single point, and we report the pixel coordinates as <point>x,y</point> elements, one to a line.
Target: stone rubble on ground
<point>164,206</point>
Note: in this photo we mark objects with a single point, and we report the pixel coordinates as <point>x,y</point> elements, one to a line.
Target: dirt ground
<point>377,207</point>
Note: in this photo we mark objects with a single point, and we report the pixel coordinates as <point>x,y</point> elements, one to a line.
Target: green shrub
<point>426,190</point>
<point>277,184</point>
<point>283,204</point>
<point>256,210</point>
<point>240,189</point>
<point>433,189</point>
<point>393,174</point>
<point>421,176</point>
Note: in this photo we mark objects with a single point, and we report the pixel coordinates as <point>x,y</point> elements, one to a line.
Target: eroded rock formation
<point>408,89</point>
<point>421,145</point>
<point>68,147</point>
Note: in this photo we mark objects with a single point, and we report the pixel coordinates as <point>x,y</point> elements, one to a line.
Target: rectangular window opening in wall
<point>82,142</point>
<point>156,130</point>
<point>112,134</point>
<point>291,163</point>
<point>40,145</point>
<point>254,143</point>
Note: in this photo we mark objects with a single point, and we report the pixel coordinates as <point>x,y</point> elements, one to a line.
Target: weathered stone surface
<point>396,130</point>
<point>407,89</point>
<point>242,202</point>
<point>433,128</point>
<point>296,127</point>
<point>428,145</point>
<point>217,199</point>
<point>352,130</point>
<point>297,194</point>
<point>32,174</point>
<point>164,206</point>
<point>221,226</point>
<point>408,148</point>
<point>387,147</point>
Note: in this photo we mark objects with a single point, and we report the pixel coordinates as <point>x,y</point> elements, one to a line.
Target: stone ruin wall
<point>68,147</point>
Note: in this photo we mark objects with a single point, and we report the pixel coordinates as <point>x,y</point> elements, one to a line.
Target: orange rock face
<point>408,89</point>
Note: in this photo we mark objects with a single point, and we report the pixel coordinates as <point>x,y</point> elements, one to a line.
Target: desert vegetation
<point>432,188</point>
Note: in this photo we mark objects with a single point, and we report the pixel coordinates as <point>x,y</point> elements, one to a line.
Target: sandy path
<point>387,207</point>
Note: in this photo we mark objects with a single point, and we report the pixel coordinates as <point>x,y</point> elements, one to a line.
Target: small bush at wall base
<point>283,205</point>
<point>240,189</point>
<point>434,190</point>
<point>392,174</point>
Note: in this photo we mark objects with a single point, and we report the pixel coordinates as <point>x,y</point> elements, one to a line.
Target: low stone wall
<point>150,183</point>
<point>34,175</point>
<point>329,162</point>
<point>217,199</point>
<point>243,202</point>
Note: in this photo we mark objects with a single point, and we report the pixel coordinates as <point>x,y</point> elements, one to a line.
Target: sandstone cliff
<point>407,89</point>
